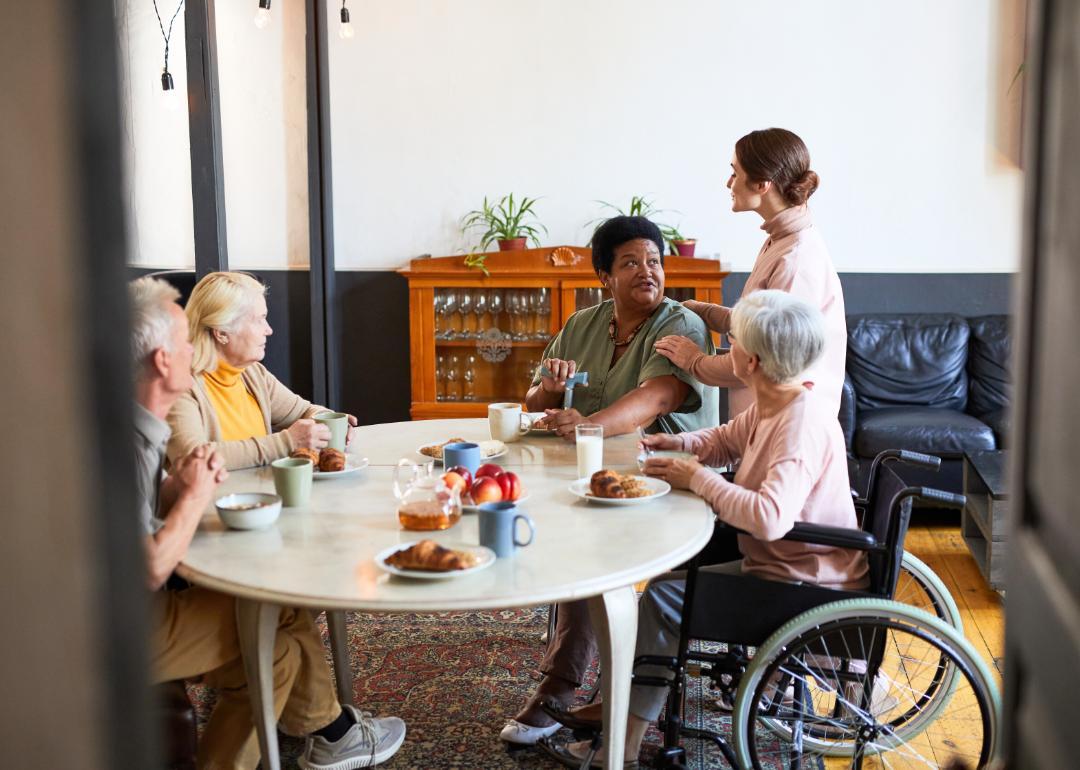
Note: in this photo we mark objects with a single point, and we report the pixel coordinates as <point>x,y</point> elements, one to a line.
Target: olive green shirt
<point>585,339</point>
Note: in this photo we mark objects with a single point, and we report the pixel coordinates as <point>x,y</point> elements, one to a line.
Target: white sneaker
<point>522,734</point>
<point>367,743</point>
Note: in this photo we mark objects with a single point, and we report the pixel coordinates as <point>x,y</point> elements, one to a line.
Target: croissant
<point>305,453</point>
<point>429,555</point>
<point>331,460</point>
<point>605,483</point>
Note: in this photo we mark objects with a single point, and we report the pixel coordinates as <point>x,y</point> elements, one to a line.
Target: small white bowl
<point>248,510</point>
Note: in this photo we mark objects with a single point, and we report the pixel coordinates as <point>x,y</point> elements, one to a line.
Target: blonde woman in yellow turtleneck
<point>236,404</point>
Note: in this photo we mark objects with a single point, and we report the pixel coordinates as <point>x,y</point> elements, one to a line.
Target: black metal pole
<point>204,130</point>
<point>320,210</point>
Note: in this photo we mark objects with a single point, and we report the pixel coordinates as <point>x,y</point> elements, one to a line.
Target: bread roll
<point>605,483</point>
<point>306,453</point>
<point>331,460</point>
<point>432,557</point>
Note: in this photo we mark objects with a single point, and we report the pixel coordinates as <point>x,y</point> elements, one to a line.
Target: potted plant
<point>640,206</point>
<point>510,223</point>
<point>678,243</point>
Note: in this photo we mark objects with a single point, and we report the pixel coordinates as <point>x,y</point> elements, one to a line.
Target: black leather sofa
<point>933,383</point>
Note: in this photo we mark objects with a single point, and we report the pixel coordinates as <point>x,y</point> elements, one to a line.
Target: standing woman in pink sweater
<point>793,467</point>
<point>771,176</point>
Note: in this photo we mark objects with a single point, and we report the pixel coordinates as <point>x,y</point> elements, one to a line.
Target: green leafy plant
<point>477,260</point>
<point>640,206</point>
<point>504,220</point>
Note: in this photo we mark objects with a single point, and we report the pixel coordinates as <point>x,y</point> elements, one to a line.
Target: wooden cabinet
<point>475,338</point>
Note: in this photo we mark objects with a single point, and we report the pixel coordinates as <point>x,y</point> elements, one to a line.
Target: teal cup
<point>338,423</point>
<point>292,480</point>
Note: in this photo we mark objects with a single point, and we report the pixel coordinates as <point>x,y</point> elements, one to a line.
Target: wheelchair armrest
<point>838,537</point>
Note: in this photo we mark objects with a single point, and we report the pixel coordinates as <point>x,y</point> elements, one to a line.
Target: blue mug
<point>464,453</point>
<point>498,528</point>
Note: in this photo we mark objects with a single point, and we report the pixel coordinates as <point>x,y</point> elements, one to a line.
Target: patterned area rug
<point>455,678</point>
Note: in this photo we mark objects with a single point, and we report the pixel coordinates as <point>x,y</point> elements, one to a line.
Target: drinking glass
<point>450,328</point>
<point>480,307</point>
<point>590,448</point>
<point>440,313</point>
<point>517,307</point>
<point>440,378</point>
<point>453,386</point>
<point>543,314</point>
<point>465,306</point>
<point>468,380</point>
<point>495,302</point>
<point>532,318</point>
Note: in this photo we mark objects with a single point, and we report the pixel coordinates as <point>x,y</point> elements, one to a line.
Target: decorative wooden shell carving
<point>563,257</point>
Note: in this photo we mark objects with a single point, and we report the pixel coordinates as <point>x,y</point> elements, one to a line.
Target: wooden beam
<point>324,347</point>
<point>204,130</point>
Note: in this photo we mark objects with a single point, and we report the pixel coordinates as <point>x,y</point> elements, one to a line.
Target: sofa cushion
<point>1000,422</point>
<point>942,432</point>
<point>847,412</point>
<point>988,365</point>
<point>908,360</point>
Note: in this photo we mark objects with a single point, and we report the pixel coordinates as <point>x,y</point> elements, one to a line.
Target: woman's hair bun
<point>802,188</point>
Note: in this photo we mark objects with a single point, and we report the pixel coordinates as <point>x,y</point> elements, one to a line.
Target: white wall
<point>263,136</point>
<point>436,103</point>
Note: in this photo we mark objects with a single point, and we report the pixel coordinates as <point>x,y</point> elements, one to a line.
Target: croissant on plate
<point>306,453</point>
<point>331,460</point>
<point>429,555</point>
<point>605,483</point>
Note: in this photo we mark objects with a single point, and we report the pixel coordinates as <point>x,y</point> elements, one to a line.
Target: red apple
<point>462,471</point>
<point>488,469</point>
<point>510,485</point>
<point>486,490</point>
<point>454,480</point>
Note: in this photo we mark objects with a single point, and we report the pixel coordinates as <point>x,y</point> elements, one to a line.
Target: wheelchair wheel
<point>920,587</point>
<point>877,681</point>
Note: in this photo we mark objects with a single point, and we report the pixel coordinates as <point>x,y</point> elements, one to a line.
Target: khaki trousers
<point>194,634</point>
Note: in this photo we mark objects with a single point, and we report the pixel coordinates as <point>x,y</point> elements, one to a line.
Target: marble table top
<point>322,555</point>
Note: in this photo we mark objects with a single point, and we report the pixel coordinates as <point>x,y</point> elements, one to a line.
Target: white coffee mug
<point>507,422</point>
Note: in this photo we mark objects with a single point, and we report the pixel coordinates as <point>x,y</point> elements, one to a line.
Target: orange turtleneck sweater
<point>238,413</point>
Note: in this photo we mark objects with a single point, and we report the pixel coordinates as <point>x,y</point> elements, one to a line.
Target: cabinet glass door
<point>488,341</point>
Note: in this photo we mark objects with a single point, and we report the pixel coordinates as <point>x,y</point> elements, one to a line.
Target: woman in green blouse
<point>630,384</point>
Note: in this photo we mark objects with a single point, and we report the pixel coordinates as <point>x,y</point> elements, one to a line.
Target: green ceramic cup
<point>292,480</point>
<point>338,423</point>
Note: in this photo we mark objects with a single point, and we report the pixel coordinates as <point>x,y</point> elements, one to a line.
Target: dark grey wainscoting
<point>966,294</point>
<point>372,312</point>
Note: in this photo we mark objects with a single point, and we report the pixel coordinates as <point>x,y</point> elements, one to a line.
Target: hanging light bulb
<point>170,99</point>
<point>262,16</point>
<point>346,31</point>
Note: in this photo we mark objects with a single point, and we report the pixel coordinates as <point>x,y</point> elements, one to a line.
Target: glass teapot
<point>424,502</point>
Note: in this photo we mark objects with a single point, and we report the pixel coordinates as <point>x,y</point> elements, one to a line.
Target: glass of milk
<point>590,448</point>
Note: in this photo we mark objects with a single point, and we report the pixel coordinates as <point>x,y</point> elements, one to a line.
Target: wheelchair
<point>812,672</point>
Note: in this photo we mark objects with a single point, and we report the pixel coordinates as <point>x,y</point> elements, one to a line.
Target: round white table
<point>321,556</point>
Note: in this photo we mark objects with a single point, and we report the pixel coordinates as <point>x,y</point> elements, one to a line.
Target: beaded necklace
<point>628,340</point>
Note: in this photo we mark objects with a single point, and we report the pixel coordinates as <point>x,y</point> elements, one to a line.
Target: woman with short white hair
<point>236,404</point>
<point>792,466</point>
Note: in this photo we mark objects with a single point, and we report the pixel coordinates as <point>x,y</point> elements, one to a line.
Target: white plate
<point>659,488</point>
<point>487,558</point>
<point>475,508</point>
<point>498,449</point>
<point>352,465</point>
<point>533,417</point>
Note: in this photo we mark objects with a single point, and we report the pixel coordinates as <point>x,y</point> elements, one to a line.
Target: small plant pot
<point>685,248</point>
<point>514,244</point>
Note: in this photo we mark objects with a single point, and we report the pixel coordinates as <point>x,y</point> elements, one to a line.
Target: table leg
<point>256,626</point>
<point>614,619</point>
<point>339,649</point>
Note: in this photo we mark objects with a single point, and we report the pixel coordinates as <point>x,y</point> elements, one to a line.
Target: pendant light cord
<point>164,34</point>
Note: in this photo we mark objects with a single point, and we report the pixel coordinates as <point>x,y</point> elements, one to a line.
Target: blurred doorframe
<point>74,641</point>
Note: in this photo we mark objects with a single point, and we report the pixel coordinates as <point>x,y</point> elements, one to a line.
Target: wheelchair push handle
<point>918,458</point>
<point>941,496</point>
